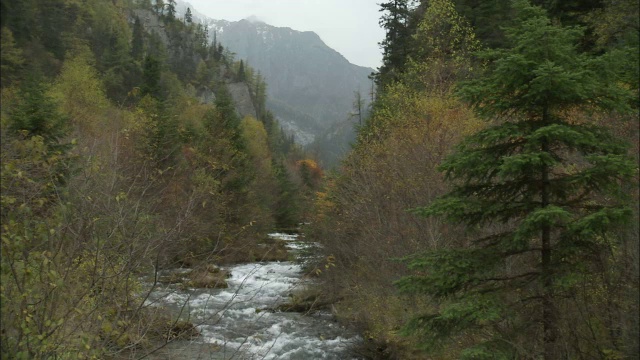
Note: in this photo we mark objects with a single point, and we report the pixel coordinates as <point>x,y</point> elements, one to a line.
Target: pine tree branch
<point>509,278</point>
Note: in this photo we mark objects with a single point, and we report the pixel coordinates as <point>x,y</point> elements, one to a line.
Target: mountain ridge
<point>310,86</point>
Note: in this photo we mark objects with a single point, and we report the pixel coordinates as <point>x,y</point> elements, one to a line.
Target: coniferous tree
<point>4,8</point>
<point>188,17</point>
<point>218,55</point>
<point>37,113</point>
<point>151,77</point>
<point>396,20</point>
<point>12,59</point>
<point>137,42</point>
<point>159,6</point>
<point>241,74</point>
<point>203,75</point>
<point>171,10</point>
<point>260,94</point>
<point>146,4</point>
<point>164,136</point>
<point>536,174</point>
<point>286,211</point>
<point>21,18</point>
<point>229,116</point>
<point>165,149</point>
<point>55,18</point>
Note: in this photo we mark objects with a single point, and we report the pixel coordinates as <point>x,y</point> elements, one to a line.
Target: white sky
<point>348,26</point>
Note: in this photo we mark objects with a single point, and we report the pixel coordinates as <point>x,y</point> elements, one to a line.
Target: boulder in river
<point>208,276</point>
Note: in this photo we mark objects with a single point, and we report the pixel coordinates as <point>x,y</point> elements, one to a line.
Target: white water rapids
<point>233,326</point>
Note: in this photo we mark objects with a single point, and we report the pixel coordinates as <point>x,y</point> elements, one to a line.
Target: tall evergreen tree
<point>145,4</point>
<point>159,6</point>
<point>260,91</point>
<point>398,22</point>
<point>286,210</point>
<point>205,40</point>
<point>241,73</point>
<point>12,59</point>
<point>532,185</point>
<point>37,113</point>
<point>219,53</point>
<point>188,17</point>
<point>171,9</point>
<point>55,18</point>
<point>229,116</point>
<point>151,77</point>
<point>137,41</point>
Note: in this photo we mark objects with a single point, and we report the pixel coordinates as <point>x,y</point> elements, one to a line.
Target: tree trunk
<point>548,309</point>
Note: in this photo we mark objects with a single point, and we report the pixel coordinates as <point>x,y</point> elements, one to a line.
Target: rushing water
<point>234,324</point>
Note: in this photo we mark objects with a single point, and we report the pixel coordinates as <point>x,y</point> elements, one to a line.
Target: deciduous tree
<point>545,180</point>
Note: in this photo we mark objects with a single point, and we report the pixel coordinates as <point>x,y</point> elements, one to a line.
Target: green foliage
<point>532,184</point>
<point>451,271</point>
<point>159,7</point>
<point>156,177</point>
<point>80,92</point>
<point>257,144</point>
<point>35,289</point>
<point>37,114</point>
<point>11,57</point>
<point>55,17</point>
<point>22,20</point>
<point>241,72</point>
<point>444,35</point>
<point>489,17</point>
<point>137,42</point>
<point>188,17</point>
<point>161,140</point>
<point>286,212</point>
<point>151,78</point>
<point>110,41</point>
<point>398,23</point>
<point>616,29</point>
<point>362,218</point>
<point>171,10</point>
<point>31,175</point>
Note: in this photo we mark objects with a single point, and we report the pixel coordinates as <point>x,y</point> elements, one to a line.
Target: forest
<point>488,208</point>
<point>123,154</point>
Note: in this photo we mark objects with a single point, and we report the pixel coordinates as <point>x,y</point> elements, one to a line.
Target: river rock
<point>208,276</point>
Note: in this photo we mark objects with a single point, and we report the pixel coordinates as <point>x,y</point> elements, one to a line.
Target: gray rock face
<point>242,99</point>
<point>206,96</point>
<point>152,24</point>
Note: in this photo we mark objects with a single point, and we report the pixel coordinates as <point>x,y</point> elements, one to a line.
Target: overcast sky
<point>348,26</point>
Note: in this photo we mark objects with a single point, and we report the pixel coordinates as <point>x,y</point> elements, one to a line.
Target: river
<point>234,324</point>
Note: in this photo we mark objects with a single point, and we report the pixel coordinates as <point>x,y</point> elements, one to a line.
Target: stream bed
<point>234,322</point>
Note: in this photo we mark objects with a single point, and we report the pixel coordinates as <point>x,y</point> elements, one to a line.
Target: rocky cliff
<point>242,99</point>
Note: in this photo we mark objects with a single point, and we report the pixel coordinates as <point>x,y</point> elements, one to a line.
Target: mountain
<point>310,86</point>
